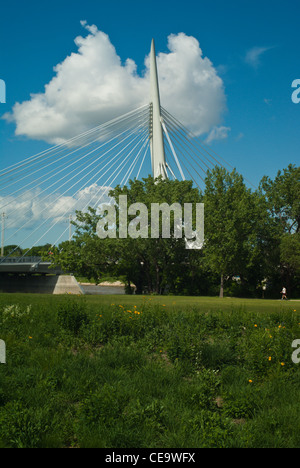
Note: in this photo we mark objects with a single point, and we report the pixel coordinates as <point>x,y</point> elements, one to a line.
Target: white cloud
<point>254,55</point>
<point>93,86</point>
<point>217,133</point>
<point>33,208</point>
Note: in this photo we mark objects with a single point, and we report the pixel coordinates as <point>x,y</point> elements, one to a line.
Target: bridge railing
<point>20,259</point>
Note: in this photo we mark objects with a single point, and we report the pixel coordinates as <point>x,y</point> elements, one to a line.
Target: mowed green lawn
<point>173,302</point>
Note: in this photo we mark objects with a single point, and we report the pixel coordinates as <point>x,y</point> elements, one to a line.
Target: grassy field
<point>148,371</point>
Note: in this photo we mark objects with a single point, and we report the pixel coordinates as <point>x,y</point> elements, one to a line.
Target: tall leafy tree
<point>283,201</point>
<point>233,217</point>
<point>152,264</point>
<point>283,198</point>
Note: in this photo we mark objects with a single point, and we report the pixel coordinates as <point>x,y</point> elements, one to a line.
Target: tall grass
<point>88,372</point>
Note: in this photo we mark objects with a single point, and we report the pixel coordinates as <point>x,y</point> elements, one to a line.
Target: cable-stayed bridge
<point>39,195</point>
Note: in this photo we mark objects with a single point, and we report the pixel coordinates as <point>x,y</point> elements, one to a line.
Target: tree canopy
<point>251,237</point>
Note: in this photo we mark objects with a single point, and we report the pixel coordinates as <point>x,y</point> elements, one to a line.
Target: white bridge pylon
<point>157,147</point>
<point>39,194</point>
<point>157,126</point>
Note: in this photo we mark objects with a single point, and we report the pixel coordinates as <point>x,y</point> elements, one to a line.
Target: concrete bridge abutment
<point>40,284</point>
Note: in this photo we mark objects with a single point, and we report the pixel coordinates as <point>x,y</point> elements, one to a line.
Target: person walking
<point>283,292</point>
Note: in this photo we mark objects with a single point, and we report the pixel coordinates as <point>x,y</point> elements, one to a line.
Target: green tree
<point>283,202</point>
<point>13,251</point>
<point>154,265</point>
<point>234,217</point>
<point>290,251</point>
<point>87,255</point>
<point>37,251</point>
<point>283,198</point>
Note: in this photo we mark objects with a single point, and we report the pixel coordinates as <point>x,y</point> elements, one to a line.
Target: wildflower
<point>250,381</point>
<point>282,363</point>
<point>30,337</point>
<point>270,358</point>
<point>255,326</point>
<point>121,306</point>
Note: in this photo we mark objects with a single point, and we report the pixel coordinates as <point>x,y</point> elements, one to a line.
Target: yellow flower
<point>30,337</point>
<point>255,326</point>
<point>121,306</point>
<point>250,381</point>
<point>270,359</point>
<point>282,363</point>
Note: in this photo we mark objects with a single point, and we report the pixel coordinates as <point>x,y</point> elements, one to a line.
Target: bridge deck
<point>28,265</point>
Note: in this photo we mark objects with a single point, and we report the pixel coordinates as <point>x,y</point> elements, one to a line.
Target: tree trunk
<point>222,286</point>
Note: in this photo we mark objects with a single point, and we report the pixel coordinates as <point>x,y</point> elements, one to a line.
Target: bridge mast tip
<point>157,140</point>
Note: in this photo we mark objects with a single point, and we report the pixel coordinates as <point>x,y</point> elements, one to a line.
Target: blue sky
<point>253,46</point>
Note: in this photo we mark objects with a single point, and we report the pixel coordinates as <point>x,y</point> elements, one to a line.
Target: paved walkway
<point>100,290</point>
